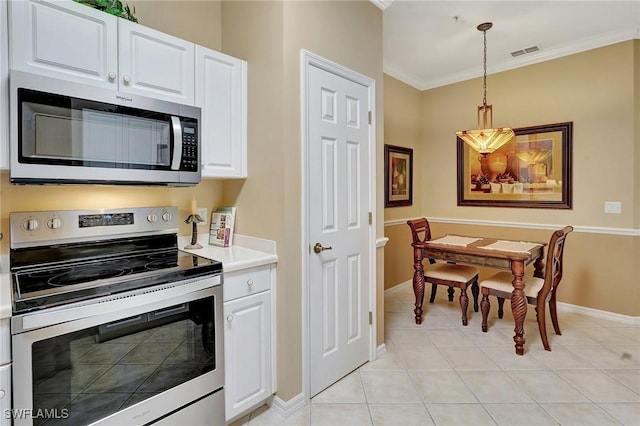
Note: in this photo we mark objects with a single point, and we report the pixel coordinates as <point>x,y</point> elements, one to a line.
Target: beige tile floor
<point>442,373</point>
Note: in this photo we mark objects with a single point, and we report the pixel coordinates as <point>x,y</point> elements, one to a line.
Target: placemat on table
<point>454,240</point>
<point>514,246</point>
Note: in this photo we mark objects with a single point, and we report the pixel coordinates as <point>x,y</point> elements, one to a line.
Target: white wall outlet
<point>613,207</point>
<point>203,212</point>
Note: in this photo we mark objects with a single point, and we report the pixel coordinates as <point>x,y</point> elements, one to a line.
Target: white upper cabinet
<point>4,89</point>
<point>221,92</point>
<point>155,64</point>
<point>64,39</point>
<point>67,40</point>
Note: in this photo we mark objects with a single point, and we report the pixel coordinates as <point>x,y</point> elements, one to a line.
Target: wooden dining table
<point>488,252</point>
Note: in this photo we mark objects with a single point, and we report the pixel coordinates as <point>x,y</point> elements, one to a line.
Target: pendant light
<point>485,139</point>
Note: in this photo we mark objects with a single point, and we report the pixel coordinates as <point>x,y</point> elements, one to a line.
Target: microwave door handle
<point>176,155</point>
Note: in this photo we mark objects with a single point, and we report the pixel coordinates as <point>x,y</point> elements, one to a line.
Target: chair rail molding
<point>629,232</point>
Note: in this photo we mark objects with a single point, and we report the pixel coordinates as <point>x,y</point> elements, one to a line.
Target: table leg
<point>518,304</point>
<point>418,283</point>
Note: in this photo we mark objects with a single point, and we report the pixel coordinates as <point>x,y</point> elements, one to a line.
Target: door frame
<point>307,60</point>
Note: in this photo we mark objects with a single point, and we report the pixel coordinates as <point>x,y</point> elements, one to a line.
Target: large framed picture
<point>532,170</point>
<point>398,176</point>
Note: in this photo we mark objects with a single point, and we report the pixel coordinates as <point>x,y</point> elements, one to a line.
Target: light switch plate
<point>203,212</point>
<point>613,207</point>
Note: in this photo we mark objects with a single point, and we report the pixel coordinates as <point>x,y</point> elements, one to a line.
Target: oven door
<point>139,363</point>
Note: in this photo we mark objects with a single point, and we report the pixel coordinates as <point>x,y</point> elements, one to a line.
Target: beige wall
<point>635,185</point>
<point>195,21</point>
<point>576,88</point>
<point>598,91</point>
<point>270,35</point>
<point>402,127</point>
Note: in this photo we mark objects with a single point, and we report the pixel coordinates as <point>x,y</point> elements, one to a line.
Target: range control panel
<point>30,229</point>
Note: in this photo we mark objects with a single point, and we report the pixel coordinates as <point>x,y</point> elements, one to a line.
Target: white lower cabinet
<point>248,339</point>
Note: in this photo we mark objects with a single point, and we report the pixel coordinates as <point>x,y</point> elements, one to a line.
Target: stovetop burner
<point>51,286</point>
<point>52,274</point>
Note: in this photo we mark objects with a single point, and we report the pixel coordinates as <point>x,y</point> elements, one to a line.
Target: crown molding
<point>602,40</point>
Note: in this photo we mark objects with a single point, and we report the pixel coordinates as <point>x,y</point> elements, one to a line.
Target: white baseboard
<point>381,350</point>
<point>596,313</point>
<point>397,287</point>
<point>562,307</point>
<point>287,408</point>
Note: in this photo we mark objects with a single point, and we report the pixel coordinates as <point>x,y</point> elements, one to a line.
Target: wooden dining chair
<point>446,274</point>
<point>538,291</point>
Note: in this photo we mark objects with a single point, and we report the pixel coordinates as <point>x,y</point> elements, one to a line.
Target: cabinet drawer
<point>246,282</point>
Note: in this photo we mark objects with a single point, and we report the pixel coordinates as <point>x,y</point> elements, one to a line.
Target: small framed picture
<point>398,175</point>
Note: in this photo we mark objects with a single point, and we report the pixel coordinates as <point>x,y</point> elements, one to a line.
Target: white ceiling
<point>426,47</point>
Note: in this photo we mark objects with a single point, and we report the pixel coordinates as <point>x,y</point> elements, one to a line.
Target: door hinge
<point>370,119</point>
<point>370,218</point>
<point>370,317</point>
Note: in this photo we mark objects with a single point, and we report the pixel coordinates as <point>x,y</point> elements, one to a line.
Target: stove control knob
<point>166,216</point>
<point>54,223</point>
<point>152,217</point>
<point>30,225</point>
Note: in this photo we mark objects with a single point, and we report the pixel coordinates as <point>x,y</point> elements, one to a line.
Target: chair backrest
<point>553,267</point>
<point>420,230</point>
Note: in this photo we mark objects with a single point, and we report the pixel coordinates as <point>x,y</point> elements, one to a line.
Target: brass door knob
<point>319,249</point>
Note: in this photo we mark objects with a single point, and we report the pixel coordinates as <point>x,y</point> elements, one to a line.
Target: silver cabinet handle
<point>249,282</point>
<point>230,318</point>
<point>126,79</point>
<point>112,76</point>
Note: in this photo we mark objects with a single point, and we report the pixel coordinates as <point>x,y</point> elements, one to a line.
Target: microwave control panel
<point>189,148</point>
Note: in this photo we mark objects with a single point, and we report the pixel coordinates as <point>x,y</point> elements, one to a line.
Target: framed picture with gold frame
<point>532,170</point>
<point>398,175</point>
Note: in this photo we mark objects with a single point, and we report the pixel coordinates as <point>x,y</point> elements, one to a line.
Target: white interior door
<point>338,209</point>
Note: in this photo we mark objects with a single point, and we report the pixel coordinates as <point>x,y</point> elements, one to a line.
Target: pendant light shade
<point>486,139</point>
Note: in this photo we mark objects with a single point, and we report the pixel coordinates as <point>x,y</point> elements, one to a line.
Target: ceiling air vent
<point>521,52</point>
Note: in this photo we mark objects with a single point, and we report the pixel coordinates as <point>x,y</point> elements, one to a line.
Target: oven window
<point>89,374</point>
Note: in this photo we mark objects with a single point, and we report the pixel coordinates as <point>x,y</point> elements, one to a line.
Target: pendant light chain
<point>484,85</point>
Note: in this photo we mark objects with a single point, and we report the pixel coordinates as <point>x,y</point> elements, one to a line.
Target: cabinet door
<point>5,394</point>
<point>247,352</point>
<point>64,39</point>
<point>4,88</point>
<point>155,64</point>
<point>221,92</point>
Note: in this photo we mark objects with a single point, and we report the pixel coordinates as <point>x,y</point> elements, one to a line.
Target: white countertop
<point>246,252</point>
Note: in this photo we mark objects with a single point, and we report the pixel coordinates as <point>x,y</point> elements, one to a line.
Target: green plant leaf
<point>112,7</point>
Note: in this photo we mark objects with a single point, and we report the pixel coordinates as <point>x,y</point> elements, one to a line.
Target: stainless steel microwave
<point>68,133</point>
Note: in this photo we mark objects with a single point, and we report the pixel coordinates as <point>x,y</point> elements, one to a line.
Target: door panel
<point>338,152</point>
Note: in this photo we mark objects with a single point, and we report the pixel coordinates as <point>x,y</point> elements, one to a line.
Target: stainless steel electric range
<point>112,324</point>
